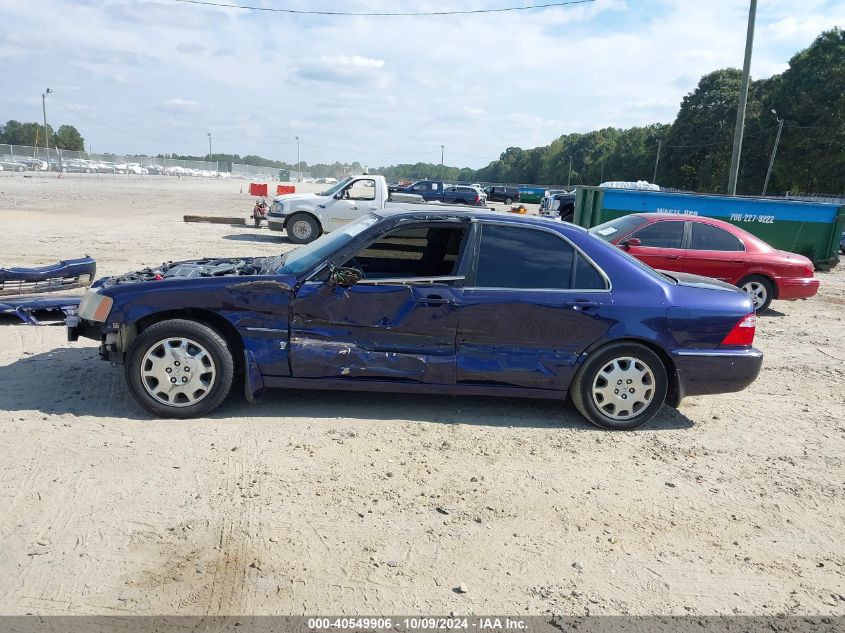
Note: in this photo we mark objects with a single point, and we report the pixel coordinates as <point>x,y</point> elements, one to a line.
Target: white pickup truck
<point>306,216</point>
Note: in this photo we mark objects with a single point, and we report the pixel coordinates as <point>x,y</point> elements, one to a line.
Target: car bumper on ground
<point>702,372</point>
<point>791,288</point>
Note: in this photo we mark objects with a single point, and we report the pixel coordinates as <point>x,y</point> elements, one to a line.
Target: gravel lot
<point>343,503</point>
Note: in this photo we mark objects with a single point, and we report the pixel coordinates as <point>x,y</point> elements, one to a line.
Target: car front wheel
<point>620,387</point>
<point>302,229</point>
<point>179,369</point>
<point>508,200</point>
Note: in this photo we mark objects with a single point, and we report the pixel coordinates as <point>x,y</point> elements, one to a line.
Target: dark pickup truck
<point>429,189</point>
<point>559,203</point>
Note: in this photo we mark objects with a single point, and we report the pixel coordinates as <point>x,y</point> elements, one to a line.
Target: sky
<point>153,76</point>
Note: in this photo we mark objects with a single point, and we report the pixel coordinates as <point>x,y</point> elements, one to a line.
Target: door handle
<point>738,261</point>
<point>435,300</point>
<point>671,257</point>
<point>581,304</point>
<point>354,208</point>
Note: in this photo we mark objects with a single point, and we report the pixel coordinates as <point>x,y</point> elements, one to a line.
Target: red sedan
<point>709,247</point>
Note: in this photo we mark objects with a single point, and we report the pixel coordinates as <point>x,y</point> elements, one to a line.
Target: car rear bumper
<point>702,372</point>
<point>791,288</point>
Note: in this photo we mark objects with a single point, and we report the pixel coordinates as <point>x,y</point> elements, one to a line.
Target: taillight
<point>477,198</point>
<point>743,332</point>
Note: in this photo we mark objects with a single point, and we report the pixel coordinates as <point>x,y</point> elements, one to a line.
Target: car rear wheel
<point>620,387</point>
<point>759,290</point>
<point>302,229</point>
<point>179,369</point>
<point>508,200</point>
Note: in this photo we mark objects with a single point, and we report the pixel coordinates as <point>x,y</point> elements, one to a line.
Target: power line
<point>527,7</point>
<point>111,127</point>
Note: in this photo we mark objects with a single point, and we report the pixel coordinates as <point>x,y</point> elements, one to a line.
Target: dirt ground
<point>319,502</point>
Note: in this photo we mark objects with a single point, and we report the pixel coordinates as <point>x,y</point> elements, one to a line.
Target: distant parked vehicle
<point>12,165</point>
<point>136,168</point>
<point>464,194</point>
<point>33,164</point>
<point>155,170</point>
<point>710,247</point>
<point>559,204</point>
<point>78,166</point>
<point>430,190</point>
<point>508,195</point>
<point>842,243</point>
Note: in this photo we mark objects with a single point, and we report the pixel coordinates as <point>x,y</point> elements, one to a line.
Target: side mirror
<point>633,241</point>
<point>344,277</point>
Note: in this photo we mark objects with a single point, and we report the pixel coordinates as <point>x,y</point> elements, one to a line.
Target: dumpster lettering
<point>677,211</point>
<point>751,217</point>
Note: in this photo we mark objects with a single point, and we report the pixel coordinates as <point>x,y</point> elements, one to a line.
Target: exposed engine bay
<point>192,269</point>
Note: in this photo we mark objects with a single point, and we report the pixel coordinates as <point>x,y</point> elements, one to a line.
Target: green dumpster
<point>812,229</point>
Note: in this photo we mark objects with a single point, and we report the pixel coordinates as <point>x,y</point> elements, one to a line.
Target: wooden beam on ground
<point>214,219</point>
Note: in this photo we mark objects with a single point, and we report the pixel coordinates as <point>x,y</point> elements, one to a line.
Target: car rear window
<point>620,226</point>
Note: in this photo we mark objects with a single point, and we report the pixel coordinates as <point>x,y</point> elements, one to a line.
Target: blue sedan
<point>446,302</point>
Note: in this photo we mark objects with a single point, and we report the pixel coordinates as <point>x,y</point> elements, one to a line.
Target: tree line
<point>17,133</point>
<point>695,150</point>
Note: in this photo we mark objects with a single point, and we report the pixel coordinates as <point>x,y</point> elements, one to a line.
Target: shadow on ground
<point>74,380</point>
<point>273,238</point>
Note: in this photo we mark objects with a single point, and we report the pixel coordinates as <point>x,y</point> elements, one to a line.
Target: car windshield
<point>308,256</point>
<point>620,226</point>
<point>333,190</point>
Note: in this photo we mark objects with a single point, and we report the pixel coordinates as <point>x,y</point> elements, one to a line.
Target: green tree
<point>68,137</point>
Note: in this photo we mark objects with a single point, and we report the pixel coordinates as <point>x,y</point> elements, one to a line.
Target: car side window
<point>524,258</point>
<point>666,234</point>
<point>361,190</point>
<point>706,237</point>
<point>423,251</point>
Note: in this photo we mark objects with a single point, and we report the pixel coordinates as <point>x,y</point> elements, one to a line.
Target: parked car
<point>464,194</point>
<point>78,165</point>
<point>136,168</point>
<point>33,164</point>
<point>508,195</point>
<point>12,165</point>
<point>842,243</point>
<point>706,246</point>
<point>426,302</point>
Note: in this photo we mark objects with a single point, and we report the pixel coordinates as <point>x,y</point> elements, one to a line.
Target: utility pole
<point>774,151</point>
<point>44,111</point>
<point>569,177</point>
<point>656,161</point>
<point>743,98</point>
<point>442,148</point>
<point>209,146</point>
<point>298,163</point>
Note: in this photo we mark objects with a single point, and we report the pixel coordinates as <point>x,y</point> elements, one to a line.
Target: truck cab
<point>306,216</point>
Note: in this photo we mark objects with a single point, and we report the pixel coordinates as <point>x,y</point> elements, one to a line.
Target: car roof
<point>651,217</point>
<point>412,211</point>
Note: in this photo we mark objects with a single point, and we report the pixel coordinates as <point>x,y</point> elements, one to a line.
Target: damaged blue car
<point>447,302</point>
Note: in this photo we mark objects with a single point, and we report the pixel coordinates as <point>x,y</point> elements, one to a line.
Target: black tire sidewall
<point>581,391</point>
<point>201,333</point>
<point>315,228</point>
<point>508,200</point>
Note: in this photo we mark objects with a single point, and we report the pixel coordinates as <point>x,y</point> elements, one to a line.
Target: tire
<point>203,351</point>
<point>760,290</point>
<point>508,200</point>
<point>638,368</point>
<point>302,229</point>
<point>21,168</point>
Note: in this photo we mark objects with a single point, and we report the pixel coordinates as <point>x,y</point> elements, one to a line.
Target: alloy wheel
<point>178,372</point>
<point>623,388</point>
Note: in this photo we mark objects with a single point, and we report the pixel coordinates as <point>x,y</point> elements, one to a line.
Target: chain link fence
<point>17,159</point>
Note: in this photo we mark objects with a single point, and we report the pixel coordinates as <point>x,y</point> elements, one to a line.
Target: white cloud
<point>354,60</point>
